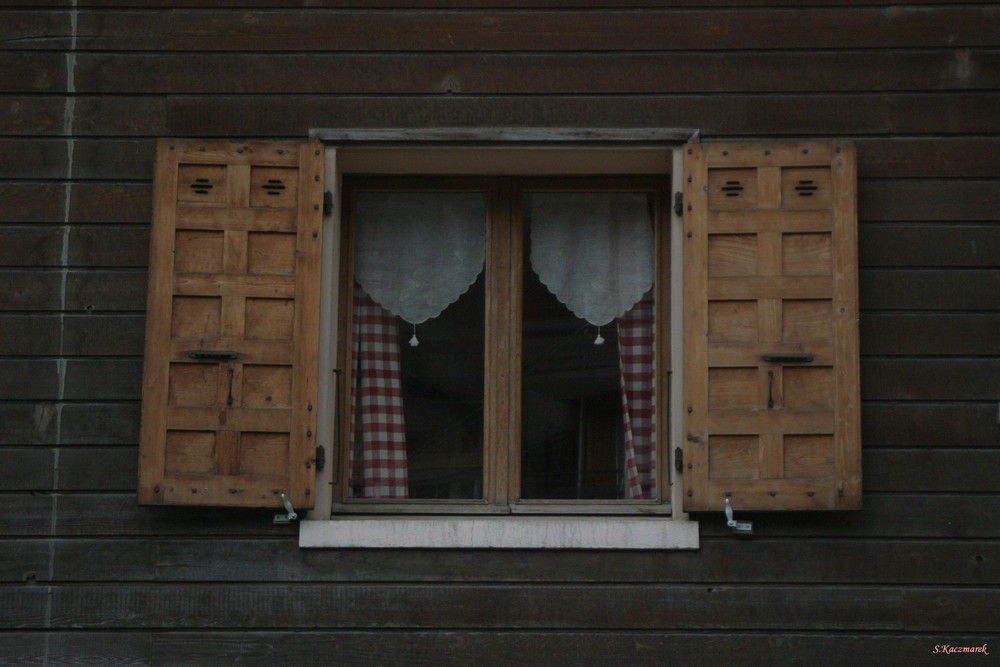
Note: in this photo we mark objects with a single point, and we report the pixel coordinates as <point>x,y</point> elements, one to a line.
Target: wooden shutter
<point>770,327</point>
<point>229,392</point>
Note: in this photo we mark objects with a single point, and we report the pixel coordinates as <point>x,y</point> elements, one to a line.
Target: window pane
<point>418,332</point>
<point>587,394</point>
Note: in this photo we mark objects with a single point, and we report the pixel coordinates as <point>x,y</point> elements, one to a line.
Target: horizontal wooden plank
<point>212,284</point>
<point>770,287</point>
<point>71,335</point>
<point>930,424</point>
<point>113,158</point>
<point>26,380</point>
<point>751,115</point>
<point>29,289</point>
<point>32,202</point>
<point>33,158</point>
<point>925,469</point>
<point>895,515</point>
<point>49,423</point>
<point>98,290</point>
<point>718,560</point>
<point>80,514</point>
<point>719,29</point>
<point>930,379</point>
<point>264,420</point>
<point>119,246</point>
<point>236,219</point>
<point>102,379</point>
<point>927,199</point>
<point>951,334</point>
<point>29,334</point>
<point>32,72</point>
<point>896,157</point>
<point>111,202</point>
<point>460,647</point>
<point>27,115</point>
<point>930,289</point>
<point>505,74</point>
<point>763,421</point>
<point>262,352</point>
<point>289,116</point>
<point>28,423</point>
<point>929,244</point>
<point>928,157</point>
<point>36,245</point>
<point>937,515</point>
<point>69,469</point>
<point>24,30</point>
<point>555,606</point>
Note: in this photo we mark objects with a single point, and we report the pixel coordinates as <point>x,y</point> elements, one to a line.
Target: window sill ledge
<point>511,532</point>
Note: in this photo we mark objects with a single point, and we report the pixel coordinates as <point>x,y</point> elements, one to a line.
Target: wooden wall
<point>85,87</point>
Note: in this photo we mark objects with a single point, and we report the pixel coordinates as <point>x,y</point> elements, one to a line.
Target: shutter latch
<point>739,528</point>
<point>289,514</point>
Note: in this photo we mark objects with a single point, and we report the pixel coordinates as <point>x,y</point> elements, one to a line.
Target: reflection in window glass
<point>417,358</point>
<point>587,394</point>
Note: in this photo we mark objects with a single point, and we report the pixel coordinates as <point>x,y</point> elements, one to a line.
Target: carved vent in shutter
<point>766,426</point>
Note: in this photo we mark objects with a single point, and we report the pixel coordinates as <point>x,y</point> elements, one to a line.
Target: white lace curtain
<point>417,252</point>
<point>593,250</point>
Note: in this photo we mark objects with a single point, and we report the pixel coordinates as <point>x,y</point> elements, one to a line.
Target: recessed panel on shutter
<point>770,327</point>
<point>229,391</point>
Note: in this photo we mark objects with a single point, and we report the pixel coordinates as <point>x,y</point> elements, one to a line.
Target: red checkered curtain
<point>638,368</point>
<point>378,448</point>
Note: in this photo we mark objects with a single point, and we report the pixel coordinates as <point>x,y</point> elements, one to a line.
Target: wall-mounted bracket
<point>289,514</point>
<point>739,528</point>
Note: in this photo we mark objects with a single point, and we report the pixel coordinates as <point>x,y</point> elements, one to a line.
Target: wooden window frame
<point>502,397</point>
<point>538,154</point>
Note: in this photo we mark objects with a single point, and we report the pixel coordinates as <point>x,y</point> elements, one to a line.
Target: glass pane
<point>587,393</point>
<point>418,332</point>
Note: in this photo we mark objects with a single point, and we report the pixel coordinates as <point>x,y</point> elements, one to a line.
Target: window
<point>755,354</point>
<point>528,300</point>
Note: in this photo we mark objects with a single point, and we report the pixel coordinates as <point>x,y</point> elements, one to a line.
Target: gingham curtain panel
<point>637,364</point>
<point>378,448</point>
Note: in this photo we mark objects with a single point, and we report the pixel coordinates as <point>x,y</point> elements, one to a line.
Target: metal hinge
<point>289,514</point>
<point>740,528</point>
<point>679,203</point>
<point>320,457</point>
<point>679,459</point>
<point>327,202</point>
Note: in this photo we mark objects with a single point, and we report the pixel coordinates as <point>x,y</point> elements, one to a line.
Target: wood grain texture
<point>260,560</point>
<point>463,647</point>
<point>528,73</point>
<point>465,30</point>
<point>488,606</point>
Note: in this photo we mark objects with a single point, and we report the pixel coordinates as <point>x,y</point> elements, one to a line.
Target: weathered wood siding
<point>86,86</point>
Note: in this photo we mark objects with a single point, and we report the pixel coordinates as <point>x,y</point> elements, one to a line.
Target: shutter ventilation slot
<point>273,186</point>
<point>806,188</point>
<point>201,186</point>
<point>732,188</point>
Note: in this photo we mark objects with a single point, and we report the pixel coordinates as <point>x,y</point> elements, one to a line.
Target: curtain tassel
<point>413,339</point>
<point>600,339</point>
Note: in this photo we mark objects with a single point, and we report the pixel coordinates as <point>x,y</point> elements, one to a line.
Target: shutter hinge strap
<point>327,202</point>
<point>679,203</point>
<point>320,457</point>
<point>678,459</point>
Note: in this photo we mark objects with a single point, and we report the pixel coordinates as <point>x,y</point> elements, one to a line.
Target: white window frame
<point>515,152</point>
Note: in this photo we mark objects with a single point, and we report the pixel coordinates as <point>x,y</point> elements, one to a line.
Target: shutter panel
<point>770,327</point>
<point>229,391</point>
